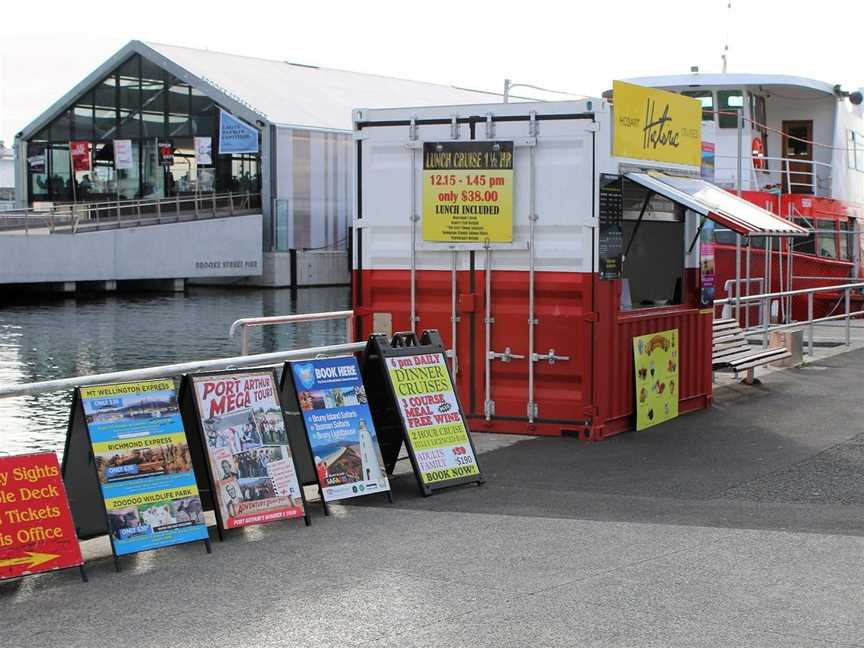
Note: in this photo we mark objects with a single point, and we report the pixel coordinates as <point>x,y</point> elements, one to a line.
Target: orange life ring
<point>758,153</point>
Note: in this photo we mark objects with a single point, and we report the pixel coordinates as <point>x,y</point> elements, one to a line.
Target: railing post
<point>177,201</point>
<point>244,340</point>
<point>810,320</point>
<point>231,201</point>
<point>159,210</point>
<point>349,329</point>
<point>213,198</point>
<point>848,331</point>
<point>766,320</point>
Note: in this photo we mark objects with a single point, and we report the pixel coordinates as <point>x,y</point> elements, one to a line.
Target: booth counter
<point>543,255</point>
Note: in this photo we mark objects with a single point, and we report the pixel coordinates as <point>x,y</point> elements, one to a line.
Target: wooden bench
<point>732,351</point>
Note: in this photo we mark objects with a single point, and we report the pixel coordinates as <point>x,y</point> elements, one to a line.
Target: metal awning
<point>719,205</point>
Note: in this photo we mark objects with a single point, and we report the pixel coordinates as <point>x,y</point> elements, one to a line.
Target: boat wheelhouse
<point>801,145</point>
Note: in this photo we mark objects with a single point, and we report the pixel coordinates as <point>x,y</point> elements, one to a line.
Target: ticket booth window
<point>655,249</point>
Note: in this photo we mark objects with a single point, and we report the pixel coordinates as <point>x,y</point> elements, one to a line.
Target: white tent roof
<point>301,95</point>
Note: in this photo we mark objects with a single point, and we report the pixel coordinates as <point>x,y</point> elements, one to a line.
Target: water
<point>69,337</point>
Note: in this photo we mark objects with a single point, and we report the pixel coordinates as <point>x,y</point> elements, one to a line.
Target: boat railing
<point>731,307</point>
<point>244,324</point>
<point>72,218</point>
<point>779,174</point>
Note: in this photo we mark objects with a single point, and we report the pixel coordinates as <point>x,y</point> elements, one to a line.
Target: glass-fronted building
<point>149,107</point>
<point>156,100</point>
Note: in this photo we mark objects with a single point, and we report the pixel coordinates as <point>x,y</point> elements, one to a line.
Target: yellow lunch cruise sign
<point>656,125</point>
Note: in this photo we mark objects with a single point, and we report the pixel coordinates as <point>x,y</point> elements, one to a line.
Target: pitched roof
<point>275,91</point>
<point>305,95</point>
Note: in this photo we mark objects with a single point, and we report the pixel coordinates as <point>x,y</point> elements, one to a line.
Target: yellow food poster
<point>656,125</point>
<point>434,424</point>
<point>655,364</point>
<point>468,192</point>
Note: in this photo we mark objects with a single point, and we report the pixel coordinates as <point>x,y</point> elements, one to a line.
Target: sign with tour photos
<point>37,533</point>
<point>142,463</point>
<point>411,377</point>
<point>342,439</point>
<point>250,461</point>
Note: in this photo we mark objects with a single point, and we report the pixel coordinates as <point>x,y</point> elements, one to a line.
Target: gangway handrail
<point>244,323</point>
<point>765,326</point>
<point>787,293</point>
<point>163,371</point>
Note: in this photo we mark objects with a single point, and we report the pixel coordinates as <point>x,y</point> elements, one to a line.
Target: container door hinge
<point>490,127</point>
<point>592,317</point>
<point>489,408</point>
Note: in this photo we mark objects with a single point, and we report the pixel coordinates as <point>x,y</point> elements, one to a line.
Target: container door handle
<point>550,357</point>
<point>507,356</point>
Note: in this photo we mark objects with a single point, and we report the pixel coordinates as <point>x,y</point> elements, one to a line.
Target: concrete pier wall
<point>214,248</point>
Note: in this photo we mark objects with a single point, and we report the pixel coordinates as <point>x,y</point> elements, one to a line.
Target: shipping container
<point>540,328</point>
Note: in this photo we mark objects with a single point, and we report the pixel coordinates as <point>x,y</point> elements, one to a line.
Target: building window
<point>731,104</point>
<point>706,98</point>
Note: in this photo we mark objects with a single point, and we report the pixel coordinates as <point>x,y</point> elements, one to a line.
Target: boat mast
<point>725,55</point>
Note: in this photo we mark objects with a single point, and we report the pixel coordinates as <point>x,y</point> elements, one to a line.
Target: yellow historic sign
<point>468,192</point>
<point>655,363</point>
<point>656,125</point>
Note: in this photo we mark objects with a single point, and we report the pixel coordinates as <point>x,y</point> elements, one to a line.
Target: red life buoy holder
<point>758,153</point>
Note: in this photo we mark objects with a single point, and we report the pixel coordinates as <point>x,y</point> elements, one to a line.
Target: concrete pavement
<point>740,526</point>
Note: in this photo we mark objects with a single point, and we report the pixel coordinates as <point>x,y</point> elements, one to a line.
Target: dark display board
<point>611,236</point>
<point>127,446</point>
<point>413,399</point>
<point>251,472</point>
<point>341,434</point>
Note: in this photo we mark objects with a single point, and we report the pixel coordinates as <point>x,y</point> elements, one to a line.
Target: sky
<point>47,47</point>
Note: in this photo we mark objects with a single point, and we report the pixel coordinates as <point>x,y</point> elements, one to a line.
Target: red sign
<point>37,533</point>
<point>80,155</point>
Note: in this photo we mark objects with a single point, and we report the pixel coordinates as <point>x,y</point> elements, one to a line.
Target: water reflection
<point>65,338</point>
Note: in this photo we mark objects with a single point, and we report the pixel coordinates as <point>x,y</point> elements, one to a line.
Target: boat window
<point>847,241</point>
<point>825,240</point>
<point>804,244</point>
<point>855,150</point>
<point>724,236</point>
<point>729,102</point>
<point>757,242</point>
<point>706,98</point>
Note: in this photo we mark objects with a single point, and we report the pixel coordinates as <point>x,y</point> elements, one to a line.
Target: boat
<point>801,147</point>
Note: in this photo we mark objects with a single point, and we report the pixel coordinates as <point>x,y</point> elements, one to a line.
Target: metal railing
<point>765,299</point>
<point>165,371</point>
<point>787,179</point>
<point>72,218</point>
<point>244,324</point>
